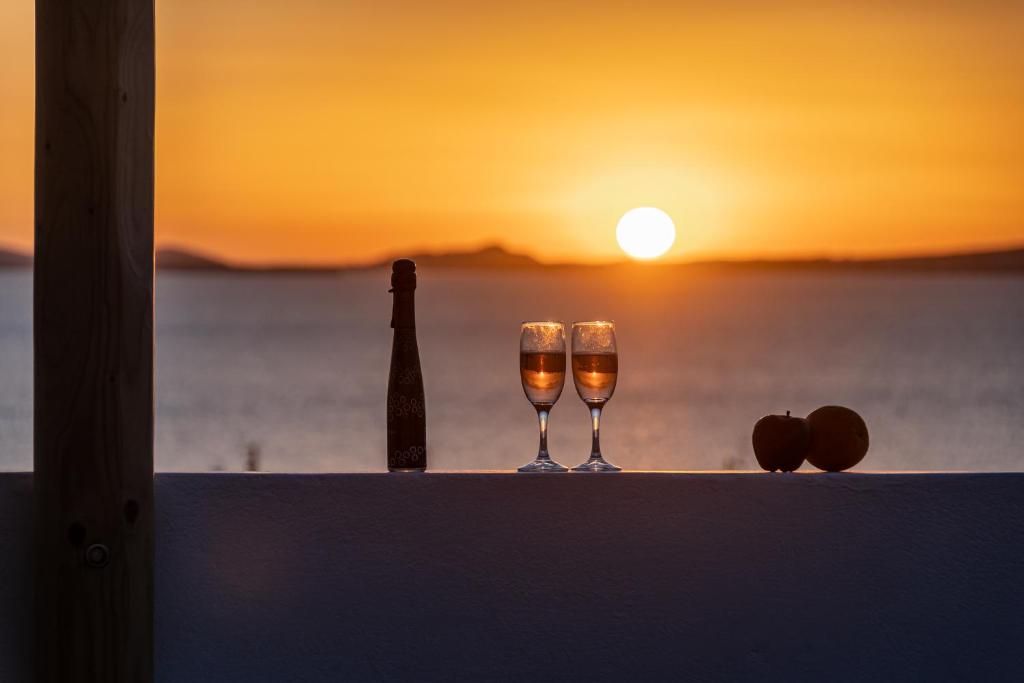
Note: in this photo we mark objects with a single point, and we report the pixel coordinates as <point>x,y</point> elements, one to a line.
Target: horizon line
<point>709,257</point>
<point>700,258</point>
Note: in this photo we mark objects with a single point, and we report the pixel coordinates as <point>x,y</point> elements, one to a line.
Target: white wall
<point>361,577</point>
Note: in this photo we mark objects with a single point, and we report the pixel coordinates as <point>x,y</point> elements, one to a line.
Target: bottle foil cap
<point>403,275</point>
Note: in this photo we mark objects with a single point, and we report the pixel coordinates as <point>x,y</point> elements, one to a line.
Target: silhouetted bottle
<point>407,420</point>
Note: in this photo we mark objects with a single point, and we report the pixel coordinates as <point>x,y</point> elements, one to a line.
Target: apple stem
<point>787,413</point>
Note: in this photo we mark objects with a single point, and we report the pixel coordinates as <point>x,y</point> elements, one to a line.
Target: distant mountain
<point>499,258</point>
<point>1008,260</point>
<point>168,258</point>
<point>491,258</point>
<point>172,258</point>
<point>14,259</point>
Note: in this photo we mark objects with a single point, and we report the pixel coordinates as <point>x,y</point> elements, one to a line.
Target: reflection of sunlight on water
<point>299,364</point>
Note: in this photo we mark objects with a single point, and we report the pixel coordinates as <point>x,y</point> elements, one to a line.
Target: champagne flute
<point>542,370</point>
<point>595,368</point>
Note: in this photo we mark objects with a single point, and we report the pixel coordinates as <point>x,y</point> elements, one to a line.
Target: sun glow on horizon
<point>645,232</point>
<point>321,132</point>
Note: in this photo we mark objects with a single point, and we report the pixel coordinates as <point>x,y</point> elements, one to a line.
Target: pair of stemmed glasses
<point>595,367</point>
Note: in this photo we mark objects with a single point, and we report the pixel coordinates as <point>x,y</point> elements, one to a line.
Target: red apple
<point>839,438</point>
<point>781,442</point>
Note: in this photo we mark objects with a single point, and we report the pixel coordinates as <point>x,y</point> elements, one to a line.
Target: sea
<point>290,370</point>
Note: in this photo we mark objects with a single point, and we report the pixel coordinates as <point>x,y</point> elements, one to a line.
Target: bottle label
<point>406,414</point>
<point>413,456</point>
<point>401,406</point>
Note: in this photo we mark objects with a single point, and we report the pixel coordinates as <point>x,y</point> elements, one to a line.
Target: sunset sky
<point>329,131</point>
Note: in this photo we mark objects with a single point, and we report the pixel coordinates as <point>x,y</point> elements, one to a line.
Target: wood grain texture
<point>94,339</point>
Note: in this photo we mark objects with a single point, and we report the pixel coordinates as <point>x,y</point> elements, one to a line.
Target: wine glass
<point>595,368</point>
<point>542,369</point>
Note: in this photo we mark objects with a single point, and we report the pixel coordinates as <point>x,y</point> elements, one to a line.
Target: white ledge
<point>631,576</point>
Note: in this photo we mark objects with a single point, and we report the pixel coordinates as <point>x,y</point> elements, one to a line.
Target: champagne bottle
<point>407,421</point>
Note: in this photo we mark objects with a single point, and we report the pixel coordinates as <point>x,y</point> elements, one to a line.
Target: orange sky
<point>329,131</point>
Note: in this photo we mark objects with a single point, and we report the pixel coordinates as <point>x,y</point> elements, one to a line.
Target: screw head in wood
<point>97,555</point>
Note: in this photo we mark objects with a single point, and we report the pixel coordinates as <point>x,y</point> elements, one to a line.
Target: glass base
<point>543,465</point>
<point>596,464</point>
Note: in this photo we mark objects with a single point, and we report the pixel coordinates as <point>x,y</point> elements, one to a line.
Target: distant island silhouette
<point>498,258</point>
<point>14,259</point>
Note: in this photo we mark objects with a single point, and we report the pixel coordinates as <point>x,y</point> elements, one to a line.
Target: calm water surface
<point>298,366</point>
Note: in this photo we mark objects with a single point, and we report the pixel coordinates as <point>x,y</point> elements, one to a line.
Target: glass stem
<point>595,448</point>
<point>542,452</point>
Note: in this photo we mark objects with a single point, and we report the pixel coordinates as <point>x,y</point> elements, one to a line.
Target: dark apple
<point>781,442</point>
<point>839,438</point>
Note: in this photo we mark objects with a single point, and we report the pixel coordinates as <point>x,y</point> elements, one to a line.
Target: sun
<point>645,232</point>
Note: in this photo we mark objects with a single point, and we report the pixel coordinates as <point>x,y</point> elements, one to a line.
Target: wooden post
<point>94,341</point>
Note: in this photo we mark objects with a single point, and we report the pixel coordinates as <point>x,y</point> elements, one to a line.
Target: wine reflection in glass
<point>542,370</point>
<point>595,368</point>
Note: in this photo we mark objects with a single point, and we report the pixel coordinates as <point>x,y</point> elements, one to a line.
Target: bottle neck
<point>403,311</point>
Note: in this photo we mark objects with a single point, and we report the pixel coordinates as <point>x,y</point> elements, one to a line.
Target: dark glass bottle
<point>407,420</point>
